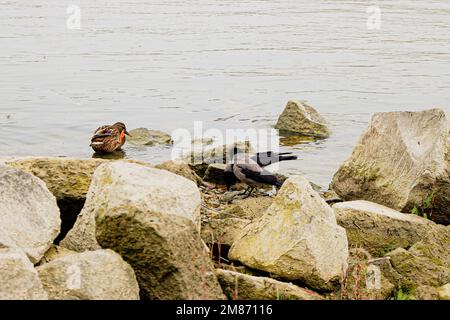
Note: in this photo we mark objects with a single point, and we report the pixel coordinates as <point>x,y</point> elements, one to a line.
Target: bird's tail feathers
<point>286,157</point>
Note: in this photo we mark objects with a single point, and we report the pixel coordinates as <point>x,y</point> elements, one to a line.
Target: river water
<point>229,63</point>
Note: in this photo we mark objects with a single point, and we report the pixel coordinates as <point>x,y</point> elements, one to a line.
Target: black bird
<point>267,158</point>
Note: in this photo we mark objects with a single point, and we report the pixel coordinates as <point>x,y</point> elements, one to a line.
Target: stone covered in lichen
<point>67,178</point>
<point>239,286</point>
<point>300,118</point>
<point>380,229</point>
<point>296,239</point>
<point>401,161</point>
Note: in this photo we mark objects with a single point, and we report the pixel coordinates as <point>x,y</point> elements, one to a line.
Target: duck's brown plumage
<point>109,138</point>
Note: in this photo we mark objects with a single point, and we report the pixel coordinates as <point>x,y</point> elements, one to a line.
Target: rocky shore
<point>125,229</point>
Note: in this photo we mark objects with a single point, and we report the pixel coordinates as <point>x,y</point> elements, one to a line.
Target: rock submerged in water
<point>29,215</point>
<point>379,229</point>
<point>91,275</point>
<point>402,161</point>
<point>18,278</point>
<point>146,137</point>
<point>302,119</point>
<point>297,239</point>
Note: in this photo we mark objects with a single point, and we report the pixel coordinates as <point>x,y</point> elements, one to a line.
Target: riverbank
<point>127,229</point>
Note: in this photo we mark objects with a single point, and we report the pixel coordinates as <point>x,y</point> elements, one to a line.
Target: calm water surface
<point>230,63</point>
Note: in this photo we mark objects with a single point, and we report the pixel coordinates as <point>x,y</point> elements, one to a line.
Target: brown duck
<point>109,138</point>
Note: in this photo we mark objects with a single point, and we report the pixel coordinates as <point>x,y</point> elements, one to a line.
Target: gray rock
<point>68,179</point>
<point>151,217</point>
<point>380,229</point>
<point>296,239</point>
<point>18,278</point>
<point>29,215</point>
<point>424,293</point>
<point>143,136</point>
<point>240,286</point>
<point>413,270</point>
<point>91,275</point>
<point>300,118</point>
<point>402,161</point>
<point>435,245</point>
<point>122,186</point>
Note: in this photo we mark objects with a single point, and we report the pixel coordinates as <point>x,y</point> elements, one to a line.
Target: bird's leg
<point>245,191</point>
<point>251,190</point>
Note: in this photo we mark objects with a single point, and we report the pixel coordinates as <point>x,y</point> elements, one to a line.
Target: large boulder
<point>410,270</point>
<point>181,169</point>
<point>129,187</point>
<point>151,217</point>
<point>296,239</point>
<point>91,275</point>
<point>379,229</point>
<point>239,286</point>
<point>435,245</point>
<point>300,118</point>
<point>401,161</point>
<point>146,137</point>
<point>67,178</point>
<point>29,215</point>
<point>18,278</point>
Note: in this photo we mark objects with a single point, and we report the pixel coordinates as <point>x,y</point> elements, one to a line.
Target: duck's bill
<point>127,133</point>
